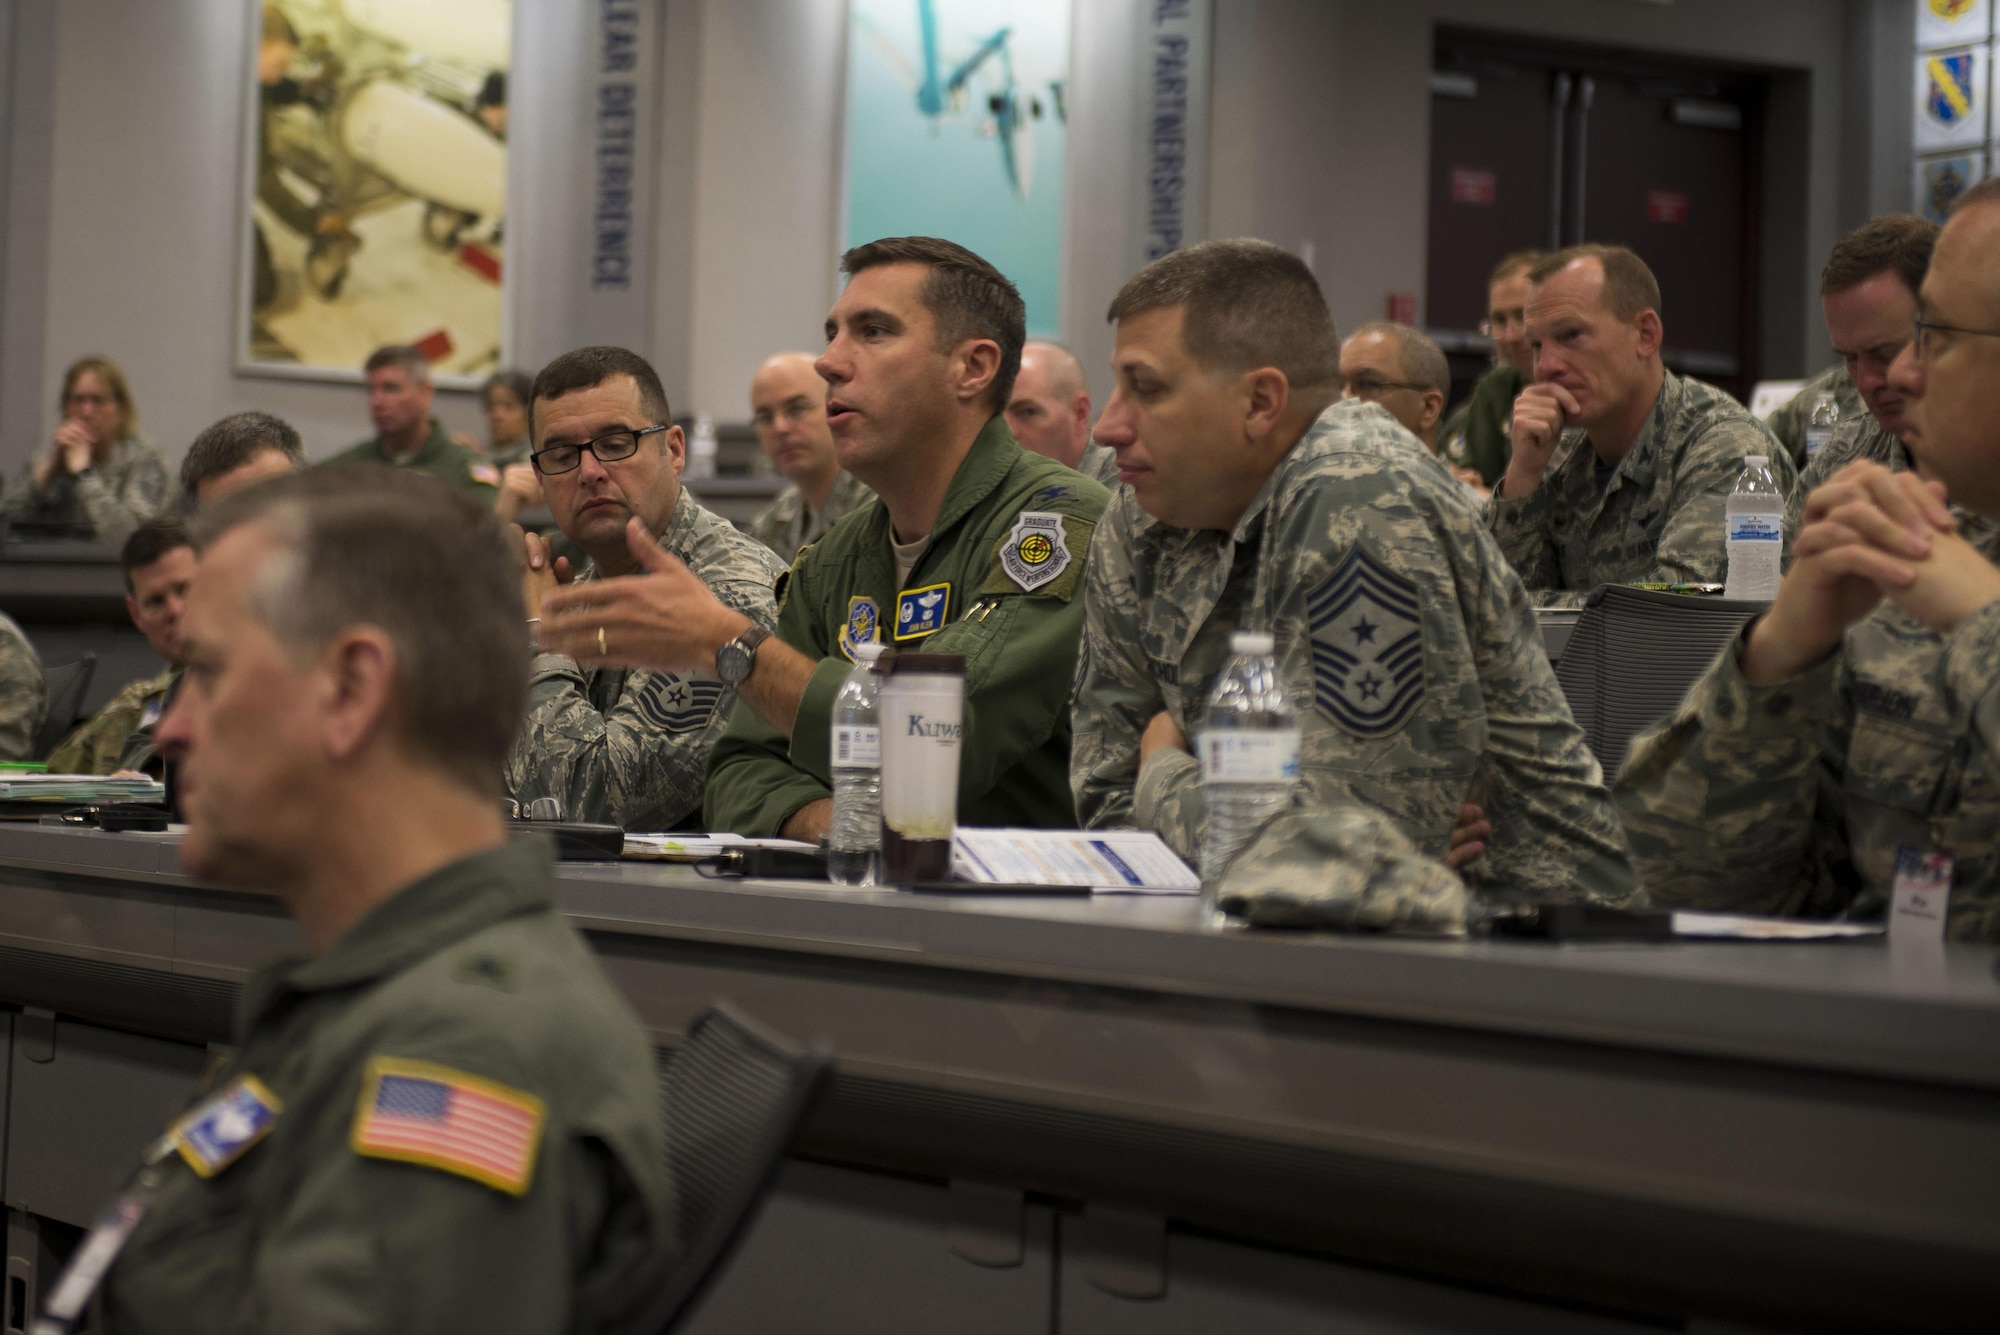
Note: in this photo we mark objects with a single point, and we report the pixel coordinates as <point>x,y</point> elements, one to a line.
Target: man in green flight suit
<point>406,435</point>
<point>1478,434</point>
<point>445,1118</point>
<point>922,348</point>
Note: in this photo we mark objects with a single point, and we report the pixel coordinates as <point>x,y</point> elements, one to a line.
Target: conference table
<point>1094,1114</point>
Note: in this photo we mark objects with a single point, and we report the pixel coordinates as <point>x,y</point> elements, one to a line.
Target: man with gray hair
<point>1048,411</point>
<point>1403,370</point>
<point>1258,498</point>
<point>340,746</point>
<point>231,454</point>
<point>406,435</point>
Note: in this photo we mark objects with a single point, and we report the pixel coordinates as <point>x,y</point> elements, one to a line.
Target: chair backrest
<point>733,1096</point>
<point>67,683</point>
<point>1633,656</point>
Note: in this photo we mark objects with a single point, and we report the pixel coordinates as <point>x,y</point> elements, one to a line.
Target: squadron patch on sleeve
<point>1367,646</point>
<point>1037,551</point>
<point>673,703</point>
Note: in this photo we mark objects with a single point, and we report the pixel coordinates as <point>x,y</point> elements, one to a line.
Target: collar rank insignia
<point>216,1134</point>
<point>420,1113</point>
<point>864,623</point>
<point>1037,551</point>
<point>1367,646</point>
<point>920,612</point>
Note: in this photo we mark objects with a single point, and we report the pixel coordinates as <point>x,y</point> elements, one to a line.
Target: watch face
<point>732,663</point>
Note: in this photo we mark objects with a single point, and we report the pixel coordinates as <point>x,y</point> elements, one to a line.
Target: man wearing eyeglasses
<point>1476,435</point>
<point>1868,292</point>
<point>624,746</point>
<point>1843,758</point>
<point>1403,370</point>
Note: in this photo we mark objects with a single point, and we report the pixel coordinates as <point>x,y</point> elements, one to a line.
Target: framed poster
<point>1941,180</point>
<point>1952,22</point>
<point>1951,99</point>
<point>374,185</point>
<point>956,128</point>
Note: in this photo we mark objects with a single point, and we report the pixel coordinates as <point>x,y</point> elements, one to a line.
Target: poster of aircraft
<point>375,184</point>
<point>956,122</point>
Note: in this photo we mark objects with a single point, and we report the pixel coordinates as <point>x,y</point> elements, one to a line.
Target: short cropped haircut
<point>1629,286</point>
<point>586,368</point>
<point>114,381</point>
<point>518,383</point>
<point>1423,361</point>
<point>412,360</point>
<point>967,298</point>
<point>1066,375</point>
<point>1986,192</point>
<point>405,552</point>
<point>1520,262</point>
<point>1246,304</point>
<point>149,542</point>
<point>234,441</point>
<point>1898,243</point>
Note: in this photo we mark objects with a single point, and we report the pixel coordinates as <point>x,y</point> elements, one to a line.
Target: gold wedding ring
<point>601,650</point>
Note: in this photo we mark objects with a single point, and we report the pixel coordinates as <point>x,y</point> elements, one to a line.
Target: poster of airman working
<point>375,184</point>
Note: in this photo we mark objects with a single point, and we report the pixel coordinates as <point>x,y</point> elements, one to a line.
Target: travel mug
<point>922,708</point>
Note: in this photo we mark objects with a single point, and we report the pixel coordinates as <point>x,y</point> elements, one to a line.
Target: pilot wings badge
<point>1367,646</point>
<point>1037,551</point>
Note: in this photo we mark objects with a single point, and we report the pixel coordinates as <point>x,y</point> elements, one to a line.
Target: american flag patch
<point>418,1112</point>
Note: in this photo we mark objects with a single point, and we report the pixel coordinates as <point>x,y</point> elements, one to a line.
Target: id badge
<point>1920,895</point>
<point>92,1261</point>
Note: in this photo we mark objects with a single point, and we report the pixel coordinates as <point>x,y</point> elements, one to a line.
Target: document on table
<point>695,847</point>
<point>1738,927</point>
<point>1118,861</point>
<point>74,788</point>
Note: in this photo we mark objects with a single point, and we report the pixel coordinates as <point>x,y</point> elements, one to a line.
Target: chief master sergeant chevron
<point>972,545</point>
<point>445,1118</point>
<point>1257,499</point>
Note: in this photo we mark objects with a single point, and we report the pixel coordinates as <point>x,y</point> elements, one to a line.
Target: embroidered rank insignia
<point>1367,646</point>
<point>1037,551</point>
<point>921,612</point>
<point>421,1113</point>
<point>216,1134</point>
<point>863,625</point>
<point>1050,495</point>
<point>673,703</point>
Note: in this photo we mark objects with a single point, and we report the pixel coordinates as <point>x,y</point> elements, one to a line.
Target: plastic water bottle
<point>1249,753</point>
<point>854,846</point>
<point>1756,529</point>
<point>1825,417</point>
<point>701,447</point>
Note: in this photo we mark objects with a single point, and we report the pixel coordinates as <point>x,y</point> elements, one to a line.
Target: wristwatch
<point>734,660</point>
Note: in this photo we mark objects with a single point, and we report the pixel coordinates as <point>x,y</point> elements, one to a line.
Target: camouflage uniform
<point>95,745</point>
<point>629,746</point>
<point>1862,438</point>
<point>1100,462</point>
<point>1409,646</point>
<point>1341,867</point>
<point>786,525</point>
<point>1795,797</point>
<point>111,499</point>
<point>1788,422</point>
<point>24,696</point>
<point>1660,518</point>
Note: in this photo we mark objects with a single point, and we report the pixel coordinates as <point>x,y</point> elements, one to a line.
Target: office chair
<point>67,684</point>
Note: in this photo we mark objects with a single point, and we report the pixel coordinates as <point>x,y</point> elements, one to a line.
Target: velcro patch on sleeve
<point>422,1113</point>
<point>1044,554</point>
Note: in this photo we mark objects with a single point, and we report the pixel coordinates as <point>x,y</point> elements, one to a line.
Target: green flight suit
<point>1480,434</point>
<point>472,970</point>
<point>439,454</point>
<point>1019,640</point>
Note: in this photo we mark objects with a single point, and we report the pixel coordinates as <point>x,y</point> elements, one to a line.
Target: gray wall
<point>121,134</point>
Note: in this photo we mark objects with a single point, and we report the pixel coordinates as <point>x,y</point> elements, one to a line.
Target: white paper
<point>1738,927</point>
<point>694,847</point>
<point>1116,861</point>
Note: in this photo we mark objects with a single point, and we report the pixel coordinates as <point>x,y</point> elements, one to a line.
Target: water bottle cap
<point>1253,642</point>
<point>1756,460</point>
<point>868,651</point>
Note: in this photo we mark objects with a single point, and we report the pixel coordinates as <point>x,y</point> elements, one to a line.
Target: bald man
<point>1403,370</point>
<point>1049,412</point>
<point>788,407</point>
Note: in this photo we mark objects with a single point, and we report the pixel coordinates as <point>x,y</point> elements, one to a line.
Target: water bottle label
<point>857,748</point>
<point>1250,755</point>
<point>1756,528</point>
<point>1816,439</point>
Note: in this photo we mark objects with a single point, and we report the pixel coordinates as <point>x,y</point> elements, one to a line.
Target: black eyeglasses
<point>1367,387</point>
<point>1925,328</point>
<point>608,448</point>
